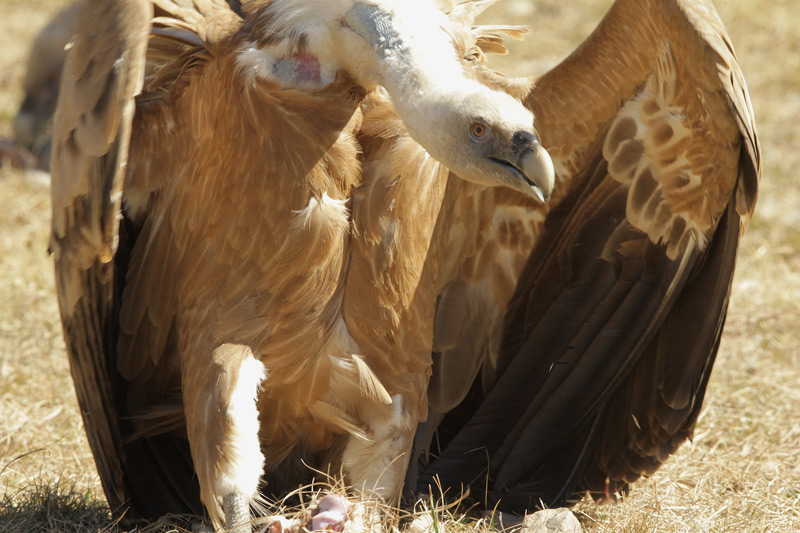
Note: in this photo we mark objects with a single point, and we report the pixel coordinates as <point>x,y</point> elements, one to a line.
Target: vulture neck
<point>416,60</point>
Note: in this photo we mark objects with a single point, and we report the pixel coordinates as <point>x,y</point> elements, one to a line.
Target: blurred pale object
<point>42,76</point>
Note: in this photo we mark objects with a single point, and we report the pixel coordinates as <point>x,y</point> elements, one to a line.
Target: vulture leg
<point>237,512</point>
<point>222,425</point>
<point>378,464</point>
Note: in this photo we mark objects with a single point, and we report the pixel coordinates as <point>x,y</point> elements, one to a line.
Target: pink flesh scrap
<point>330,514</point>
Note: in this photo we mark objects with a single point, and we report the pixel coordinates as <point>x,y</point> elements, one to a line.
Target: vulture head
<point>483,135</point>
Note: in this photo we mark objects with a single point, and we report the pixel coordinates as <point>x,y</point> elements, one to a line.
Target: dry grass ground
<point>741,472</point>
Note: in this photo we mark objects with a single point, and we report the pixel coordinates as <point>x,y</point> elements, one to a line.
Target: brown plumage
<point>286,235</point>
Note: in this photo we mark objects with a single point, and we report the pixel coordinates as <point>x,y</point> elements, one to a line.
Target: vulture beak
<point>531,163</point>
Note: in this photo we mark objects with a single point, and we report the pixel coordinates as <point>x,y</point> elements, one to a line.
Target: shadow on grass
<point>58,507</point>
<point>61,508</point>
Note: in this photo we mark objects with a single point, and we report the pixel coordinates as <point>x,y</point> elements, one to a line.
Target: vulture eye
<point>477,130</point>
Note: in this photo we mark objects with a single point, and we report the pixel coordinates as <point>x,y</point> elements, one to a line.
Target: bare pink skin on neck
<point>298,68</point>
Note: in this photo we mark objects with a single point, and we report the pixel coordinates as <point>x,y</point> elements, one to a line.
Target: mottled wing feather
<point>615,323</point>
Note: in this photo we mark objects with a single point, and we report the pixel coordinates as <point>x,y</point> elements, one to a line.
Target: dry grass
<point>741,471</point>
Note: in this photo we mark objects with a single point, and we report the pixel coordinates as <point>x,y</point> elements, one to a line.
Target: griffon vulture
<point>291,231</point>
<point>242,240</point>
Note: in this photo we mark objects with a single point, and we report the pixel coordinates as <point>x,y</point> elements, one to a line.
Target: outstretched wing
<point>609,339</point>
<point>103,76</point>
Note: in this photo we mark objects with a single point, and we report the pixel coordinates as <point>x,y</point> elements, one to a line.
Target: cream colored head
<point>484,136</point>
